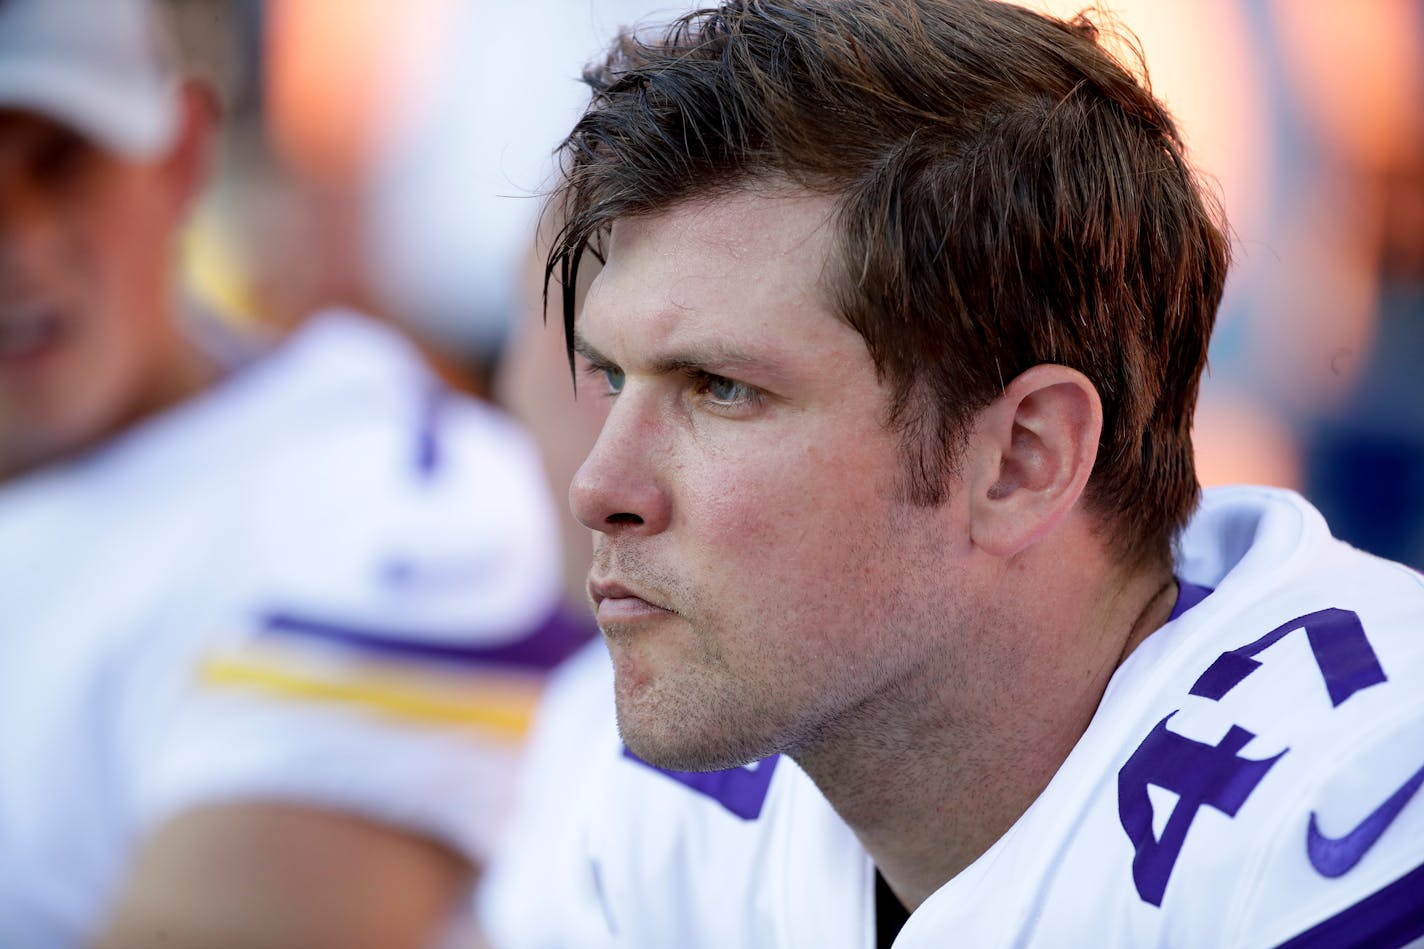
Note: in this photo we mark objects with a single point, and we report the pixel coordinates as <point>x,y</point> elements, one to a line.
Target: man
<point>271,620</point>
<point>902,313</point>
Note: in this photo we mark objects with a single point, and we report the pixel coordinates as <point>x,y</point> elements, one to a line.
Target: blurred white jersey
<point>1252,778</point>
<point>327,580</point>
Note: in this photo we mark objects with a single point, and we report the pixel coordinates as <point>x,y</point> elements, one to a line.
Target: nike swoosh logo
<point>1336,856</point>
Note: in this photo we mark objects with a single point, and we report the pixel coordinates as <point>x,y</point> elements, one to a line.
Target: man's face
<point>85,241</point>
<point>757,573</point>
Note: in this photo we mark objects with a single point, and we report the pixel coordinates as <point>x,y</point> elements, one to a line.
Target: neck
<point>935,769</point>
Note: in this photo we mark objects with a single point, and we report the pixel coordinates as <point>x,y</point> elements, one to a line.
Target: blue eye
<point>727,391</point>
<point>614,378</point>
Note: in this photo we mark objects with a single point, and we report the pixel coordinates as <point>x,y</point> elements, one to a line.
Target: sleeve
<point>391,607</point>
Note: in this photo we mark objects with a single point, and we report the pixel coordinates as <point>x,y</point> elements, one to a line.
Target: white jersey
<point>1252,778</point>
<point>327,580</point>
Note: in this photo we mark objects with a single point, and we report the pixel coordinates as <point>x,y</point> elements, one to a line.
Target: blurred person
<point>272,613</point>
<point>395,125</point>
<point>921,630</point>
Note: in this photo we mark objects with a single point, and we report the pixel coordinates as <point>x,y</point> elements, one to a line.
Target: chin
<point>666,739</point>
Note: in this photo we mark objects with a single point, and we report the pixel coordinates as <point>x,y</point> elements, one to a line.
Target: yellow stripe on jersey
<point>498,705</point>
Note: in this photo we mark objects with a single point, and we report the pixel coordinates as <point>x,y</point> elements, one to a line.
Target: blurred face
<point>86,341</point>
<point>758,575</point>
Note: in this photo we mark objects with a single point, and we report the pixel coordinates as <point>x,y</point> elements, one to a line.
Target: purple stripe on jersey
<point>1188,596</point>
<point>740,790</point>
<point>543,647</point>
<point>1391,917</point>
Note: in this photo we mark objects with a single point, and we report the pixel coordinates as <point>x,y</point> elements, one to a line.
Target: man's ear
<point>1035,447</point>
<point>187,163</point>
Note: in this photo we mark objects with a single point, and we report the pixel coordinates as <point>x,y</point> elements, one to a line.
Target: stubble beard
<point>707,714</point>
<point>704,716</point>
<point>697,717</point>
<point>690,711</point>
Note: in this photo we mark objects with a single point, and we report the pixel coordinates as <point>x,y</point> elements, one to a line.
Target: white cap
<point>103,68</point>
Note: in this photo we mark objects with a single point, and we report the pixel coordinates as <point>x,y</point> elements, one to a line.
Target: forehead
<point>754,262</point>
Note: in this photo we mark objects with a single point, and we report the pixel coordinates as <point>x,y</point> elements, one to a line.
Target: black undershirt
<point>890,913</point>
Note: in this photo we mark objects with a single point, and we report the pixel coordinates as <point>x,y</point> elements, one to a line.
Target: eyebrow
<point>584,348</point>
<point>714,356</point>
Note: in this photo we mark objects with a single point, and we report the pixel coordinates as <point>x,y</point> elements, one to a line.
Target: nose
<point>619,488</point>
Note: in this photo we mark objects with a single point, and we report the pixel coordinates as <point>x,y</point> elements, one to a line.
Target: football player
<point>271,617</point>
<point>920,629</point>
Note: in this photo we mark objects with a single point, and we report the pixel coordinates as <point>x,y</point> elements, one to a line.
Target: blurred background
<point>390,156</point>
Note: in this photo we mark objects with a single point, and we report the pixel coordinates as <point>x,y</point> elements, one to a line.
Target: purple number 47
<point>1216,776</point>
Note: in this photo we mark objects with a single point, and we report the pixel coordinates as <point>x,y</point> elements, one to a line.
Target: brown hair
<point>1008,195</point>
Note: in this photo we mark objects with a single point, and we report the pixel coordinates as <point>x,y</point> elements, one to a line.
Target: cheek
<point>123,224</point>
<point>125,241</point>
<point>802,522</point>
<point>118,283</point>
<point>756,500</point>
<point>133,244</point>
